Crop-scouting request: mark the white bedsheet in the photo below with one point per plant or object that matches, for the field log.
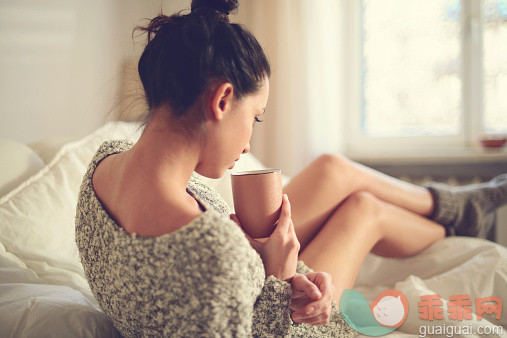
(43, 291)
(451, 266)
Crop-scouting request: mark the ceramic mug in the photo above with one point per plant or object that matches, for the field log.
(257, 196)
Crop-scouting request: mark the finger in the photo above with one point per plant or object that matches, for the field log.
(303, 307)
(292, 233)
(291, 228)
(312, 320)
(320, 323)
(323, 281)
(318, 314)
(298, 294)
(324, 301)
(286, 203)
(304, 284)
(299, 304)
(319, 307)
(285, 217)
(324, 322)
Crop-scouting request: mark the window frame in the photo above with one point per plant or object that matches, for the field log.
(359, 145)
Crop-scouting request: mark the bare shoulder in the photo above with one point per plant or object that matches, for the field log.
(135, 207)
(171, 219)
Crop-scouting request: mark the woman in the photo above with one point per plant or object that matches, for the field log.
(161, 253)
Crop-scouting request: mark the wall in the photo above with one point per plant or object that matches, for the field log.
(61, 63)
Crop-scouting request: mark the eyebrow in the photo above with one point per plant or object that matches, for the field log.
(263, 111)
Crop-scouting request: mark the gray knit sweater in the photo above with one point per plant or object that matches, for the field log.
(203, 280)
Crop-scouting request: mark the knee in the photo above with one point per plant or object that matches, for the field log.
(332, 161)
(332, 165)
(365, 204)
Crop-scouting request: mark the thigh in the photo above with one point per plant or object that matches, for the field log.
(316, 192)
(340, 247)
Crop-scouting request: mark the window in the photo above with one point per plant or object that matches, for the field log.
(495, 65)
(427, 73)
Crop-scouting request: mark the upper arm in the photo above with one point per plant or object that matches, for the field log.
(210, 293)
(220, 288)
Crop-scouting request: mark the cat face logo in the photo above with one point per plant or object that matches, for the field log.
(390, 308)
(384, 315)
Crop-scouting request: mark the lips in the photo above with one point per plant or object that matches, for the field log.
(236, 160)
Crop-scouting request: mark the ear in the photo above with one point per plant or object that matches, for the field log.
(222, 99)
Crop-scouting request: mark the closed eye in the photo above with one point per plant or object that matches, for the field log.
(257, 119)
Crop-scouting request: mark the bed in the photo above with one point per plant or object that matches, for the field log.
(43, 292)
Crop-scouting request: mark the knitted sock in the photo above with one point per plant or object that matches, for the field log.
(468, 210)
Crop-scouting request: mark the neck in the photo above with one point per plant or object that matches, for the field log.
(165, 157)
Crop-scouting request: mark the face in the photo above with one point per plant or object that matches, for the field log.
(230, 130)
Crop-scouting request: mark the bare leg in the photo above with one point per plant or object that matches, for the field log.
(403, 194)
(320, 188)
(363, 223)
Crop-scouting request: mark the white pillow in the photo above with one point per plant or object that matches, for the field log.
(48, 148)
(17, 163)
(37, 248)
(37, 310)
(37, 219)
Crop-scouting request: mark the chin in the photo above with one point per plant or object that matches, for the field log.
(213, 174)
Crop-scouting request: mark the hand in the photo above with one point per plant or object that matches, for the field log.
(312, 290)
(279, 252)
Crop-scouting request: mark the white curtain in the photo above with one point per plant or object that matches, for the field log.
(304, 40)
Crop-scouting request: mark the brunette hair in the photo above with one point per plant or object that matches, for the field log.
(186, 53)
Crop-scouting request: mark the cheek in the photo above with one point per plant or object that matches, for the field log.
(250, 131)
(246, 132)
(243, 129)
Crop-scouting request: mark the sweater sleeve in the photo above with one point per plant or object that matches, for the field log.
(220, 290)
(271, 312)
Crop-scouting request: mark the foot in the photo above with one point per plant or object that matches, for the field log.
(468, 210)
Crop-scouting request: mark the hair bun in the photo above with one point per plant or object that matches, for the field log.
(222, 6)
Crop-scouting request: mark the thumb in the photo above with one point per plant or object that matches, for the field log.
(309, 288)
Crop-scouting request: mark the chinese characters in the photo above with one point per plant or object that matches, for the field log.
(459, 307)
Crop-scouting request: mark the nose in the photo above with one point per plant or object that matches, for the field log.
(247, 148)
